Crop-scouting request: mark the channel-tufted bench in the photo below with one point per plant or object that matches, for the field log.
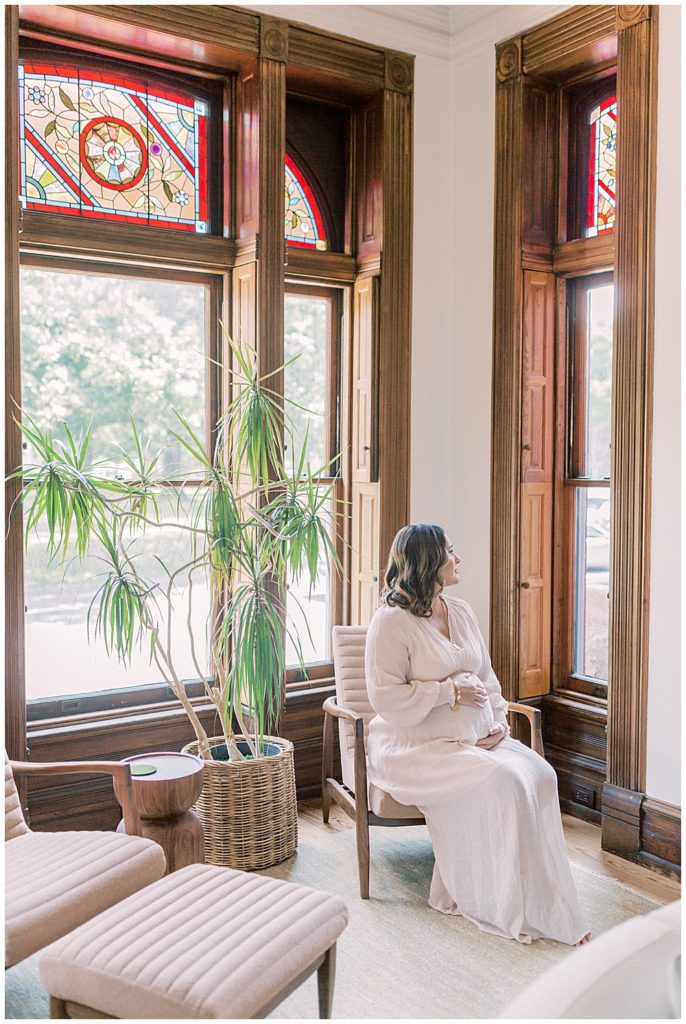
(204, 942)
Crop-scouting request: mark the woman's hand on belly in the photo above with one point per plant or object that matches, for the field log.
(495, 735)
(472, 691)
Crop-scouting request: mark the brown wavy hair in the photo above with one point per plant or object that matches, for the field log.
(417, 554)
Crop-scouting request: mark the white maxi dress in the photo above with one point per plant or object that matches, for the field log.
(493, 815)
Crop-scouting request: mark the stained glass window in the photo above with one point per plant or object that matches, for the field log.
(602, 167)
(98, 144)
(304, 225)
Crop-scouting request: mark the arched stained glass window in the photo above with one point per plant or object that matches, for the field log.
(602, 167)
(304, 225)
(98, 144)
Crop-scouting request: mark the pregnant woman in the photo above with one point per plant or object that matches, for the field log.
(440, 741)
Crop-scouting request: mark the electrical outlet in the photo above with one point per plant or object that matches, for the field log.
(584, 795)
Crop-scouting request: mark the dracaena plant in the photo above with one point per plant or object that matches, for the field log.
(252, 523)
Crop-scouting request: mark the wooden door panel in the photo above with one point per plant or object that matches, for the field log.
(363, 396)
(536, 470)
(535, 590)
(364, 576)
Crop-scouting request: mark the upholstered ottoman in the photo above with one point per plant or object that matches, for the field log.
(202, 942)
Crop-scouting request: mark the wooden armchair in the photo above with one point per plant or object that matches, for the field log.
(366, 804)
(55, 881)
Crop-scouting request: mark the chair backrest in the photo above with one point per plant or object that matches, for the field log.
(351, 690)
(14, 817)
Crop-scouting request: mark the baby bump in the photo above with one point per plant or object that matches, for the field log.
(467, 724)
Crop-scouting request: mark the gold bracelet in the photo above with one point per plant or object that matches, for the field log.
(456, 690)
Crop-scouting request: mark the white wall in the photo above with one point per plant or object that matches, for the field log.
(452, 309)
(664, 693)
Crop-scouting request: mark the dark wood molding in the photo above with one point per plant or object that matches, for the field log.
(580, 37)
(199, 35)
(398, 72)
(632, 389)
(661, 837)
(272, 247)
(621, 821)
(395, 321)
(48, 232)
(330, 267)
(507, 375)
(336, 55)
(15, 696)
(631, 14)
(273, 38)
(585, 254)
(508, 59)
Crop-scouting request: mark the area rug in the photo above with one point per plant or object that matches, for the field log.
(398, 959)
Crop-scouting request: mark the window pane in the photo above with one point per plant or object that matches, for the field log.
(96, 144)
(602, 170)
(304, 225)
(599, 381)
(105, 348)
(59, 658)
(592, 581)
(111, 348)
(307, 331)
(313, 609)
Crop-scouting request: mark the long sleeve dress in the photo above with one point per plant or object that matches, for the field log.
(493, 815)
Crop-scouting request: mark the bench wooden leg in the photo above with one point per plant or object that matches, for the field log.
(326, 976)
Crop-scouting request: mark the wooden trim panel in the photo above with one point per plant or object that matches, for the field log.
(15, 695)
(507, 376)
(661, 836)
(395, 320)
(584, 35)
(632, 389)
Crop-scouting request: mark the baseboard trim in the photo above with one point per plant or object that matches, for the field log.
(621, 821)
(661, 837)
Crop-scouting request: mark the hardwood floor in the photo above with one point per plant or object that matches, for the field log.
(583, 844)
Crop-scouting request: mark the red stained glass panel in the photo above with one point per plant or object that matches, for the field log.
(96, 144)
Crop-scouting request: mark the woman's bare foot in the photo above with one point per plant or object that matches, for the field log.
(587, 938)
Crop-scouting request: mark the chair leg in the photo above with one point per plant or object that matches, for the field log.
(326, 803)
(326, 976)
(58, 1009)
(362, 836)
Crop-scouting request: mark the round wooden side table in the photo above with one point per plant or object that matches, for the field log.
(164, 798)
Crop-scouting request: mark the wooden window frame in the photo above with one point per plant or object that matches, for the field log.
(571, 351)
(318, 671)
(583, 38)
(74, 703)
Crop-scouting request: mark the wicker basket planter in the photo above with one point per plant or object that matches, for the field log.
(248, 809)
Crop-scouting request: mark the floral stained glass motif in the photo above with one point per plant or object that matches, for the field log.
(96, 144)
(304, 225)
(602, 167)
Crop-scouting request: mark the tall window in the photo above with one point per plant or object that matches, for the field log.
(585, 384)
(311, 350)
(104, 340)
(100, 349)
(587, 477)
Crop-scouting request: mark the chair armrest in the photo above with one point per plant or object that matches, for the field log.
(534, 716)
(353, 718)
(331, 708)
(120, 772)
